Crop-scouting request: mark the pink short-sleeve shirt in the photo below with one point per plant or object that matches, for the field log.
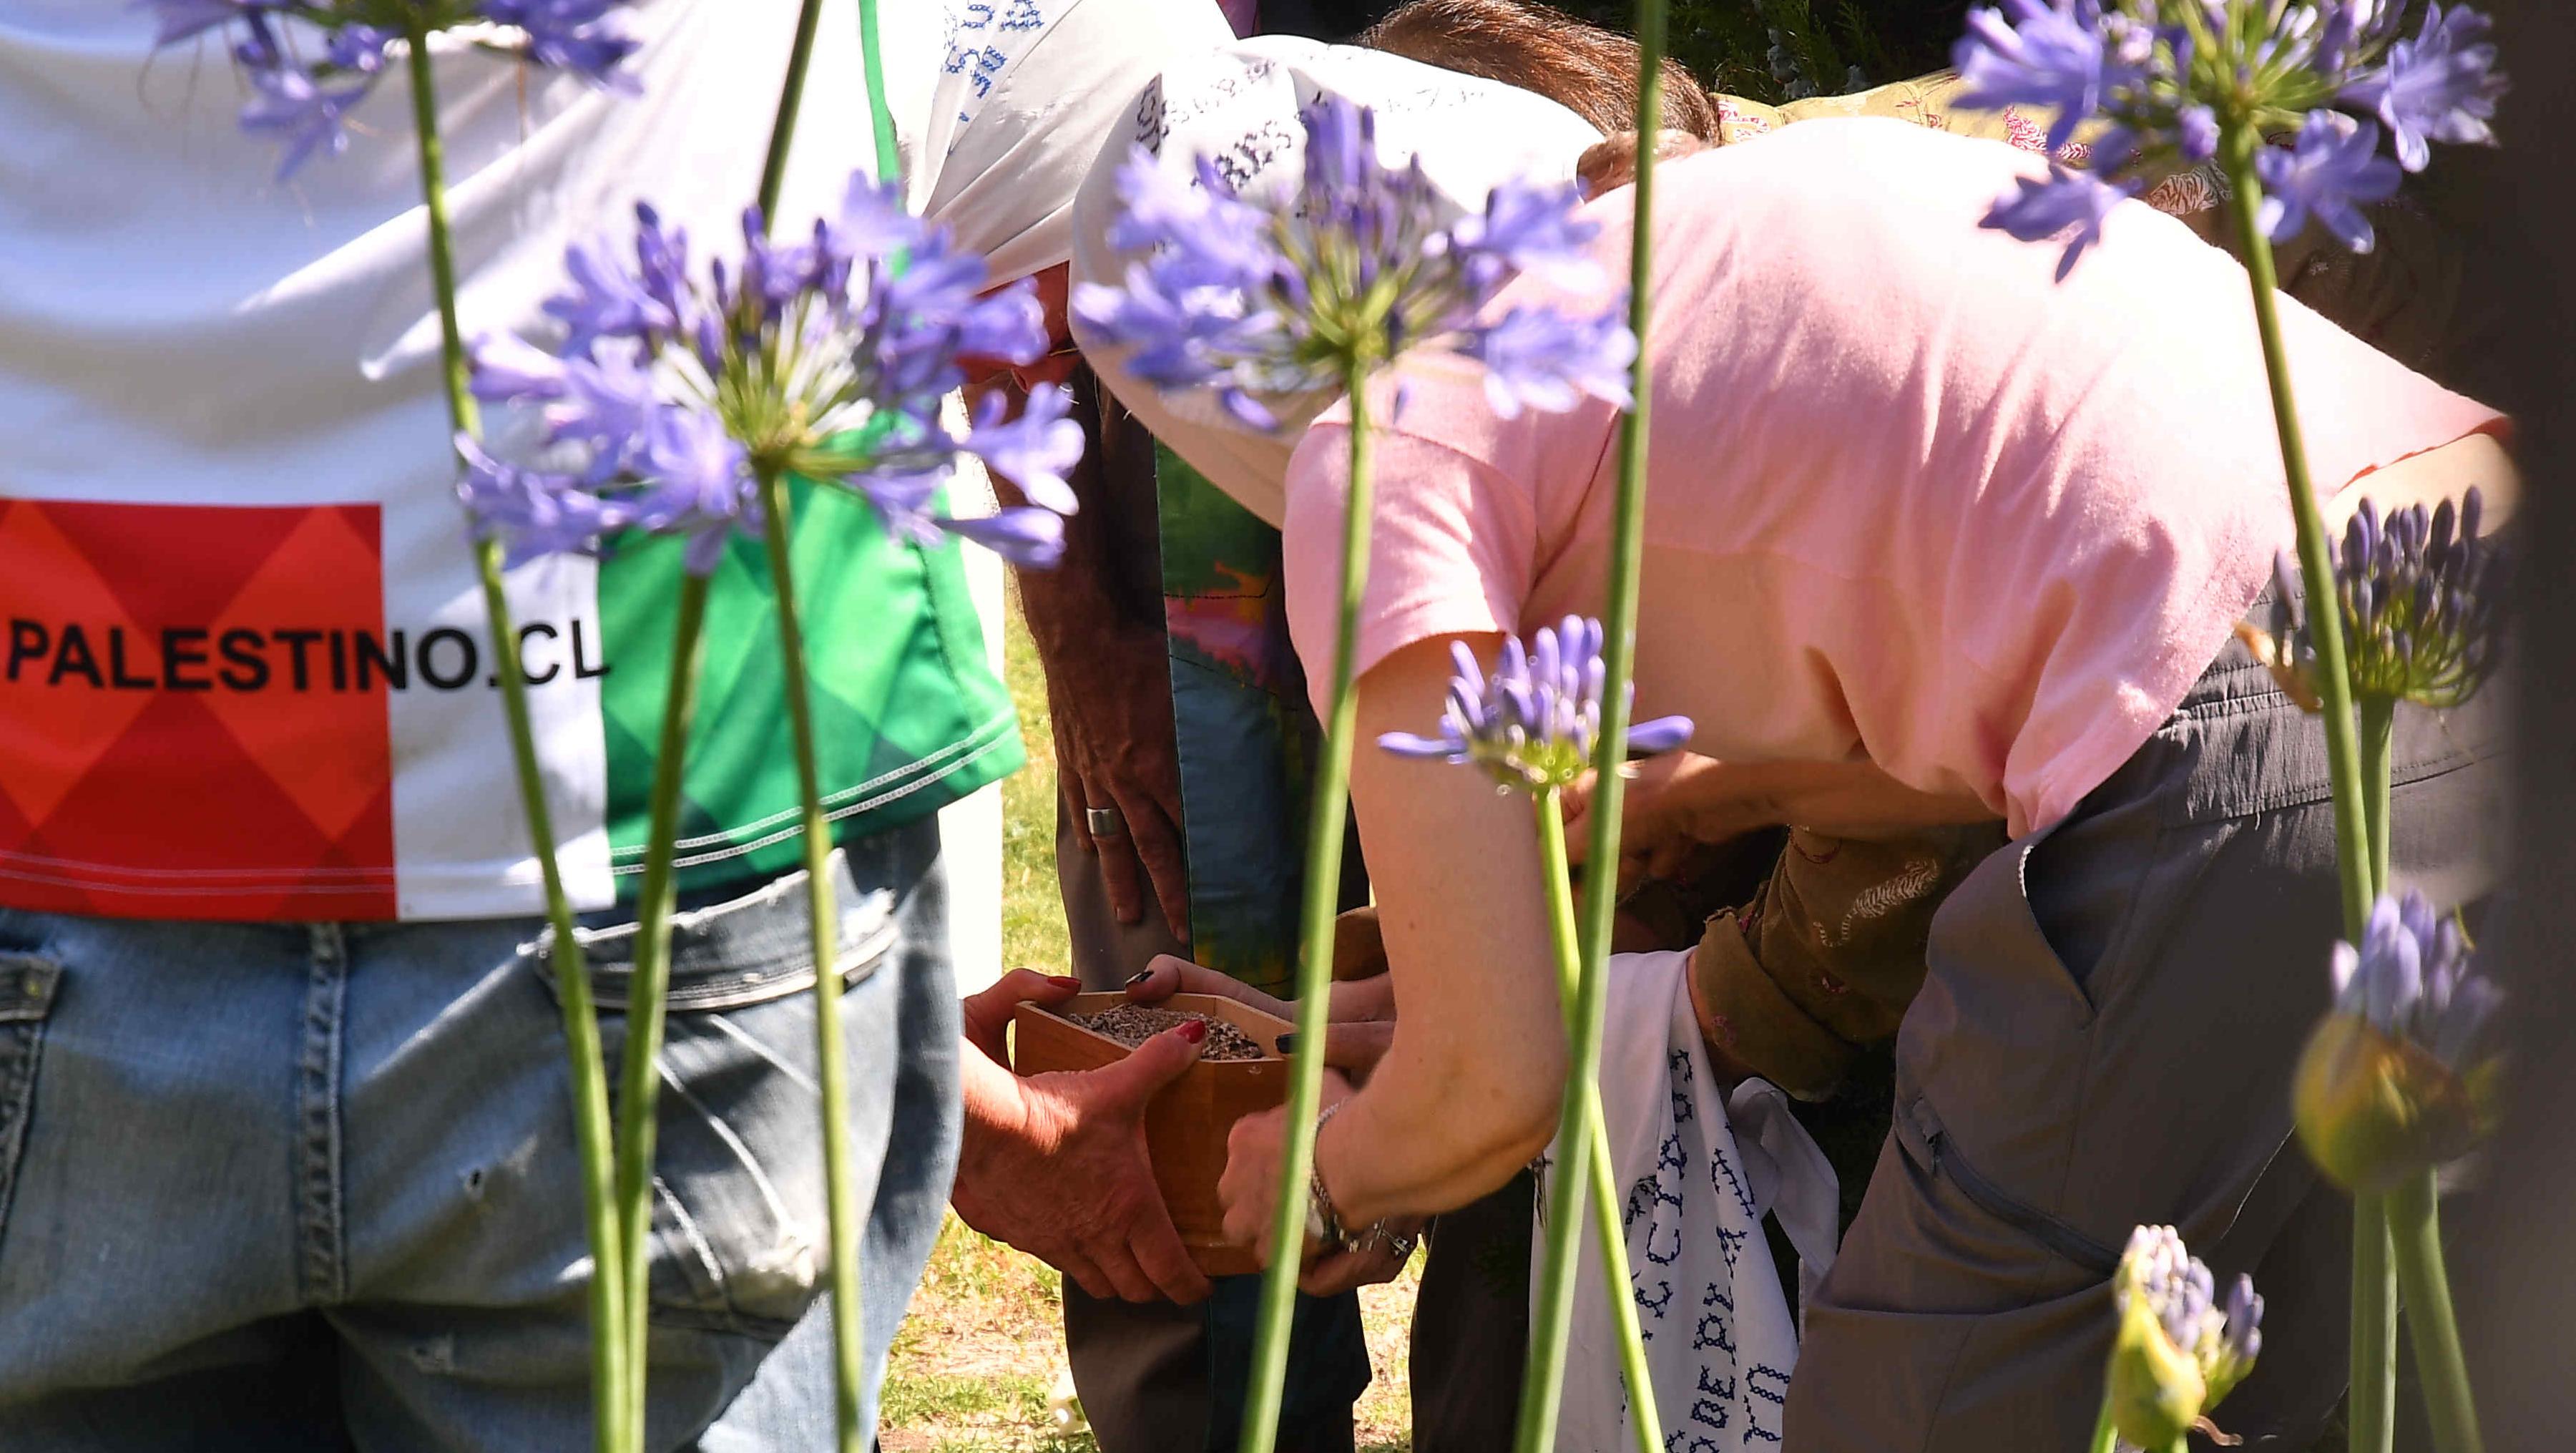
(1909, 500)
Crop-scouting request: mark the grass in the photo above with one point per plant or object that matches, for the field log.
(980, 1356)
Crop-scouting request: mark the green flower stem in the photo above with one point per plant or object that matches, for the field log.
(2378, 725)
(849, 1356)
(2374, 1345)
(588, 1063)
(2105, 1439)
(648, 988)
(1542, 1384)
(2373, 1419)
(2238, 148)
(840, 1185)
(1327, 812)
(2371, 1423)
(791, 95)
(2414, 1218)
(1643, 1418)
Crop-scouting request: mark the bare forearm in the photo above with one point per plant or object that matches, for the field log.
(1423, 1138)
(1468, 1092)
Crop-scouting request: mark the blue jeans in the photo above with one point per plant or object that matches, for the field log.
(312, 1186)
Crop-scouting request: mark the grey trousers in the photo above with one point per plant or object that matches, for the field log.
(2106, 1039)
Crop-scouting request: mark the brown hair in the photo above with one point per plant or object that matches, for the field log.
(1588, 70)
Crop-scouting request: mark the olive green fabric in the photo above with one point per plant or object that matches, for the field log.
(1824, 959)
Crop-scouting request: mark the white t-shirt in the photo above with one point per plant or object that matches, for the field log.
(244, 668)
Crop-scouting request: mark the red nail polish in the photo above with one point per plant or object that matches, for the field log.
(1067, 980)
(1193, 1030)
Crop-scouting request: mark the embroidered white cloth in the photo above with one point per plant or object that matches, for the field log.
(1023, 95)
(1700, 1169)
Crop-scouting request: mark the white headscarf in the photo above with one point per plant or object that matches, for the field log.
(1000, 106)
(1469, 134)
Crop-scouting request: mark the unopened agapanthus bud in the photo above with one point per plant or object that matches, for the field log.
(2178, 1351)
(2421, 598)
(2395, 1079)
(1533, 723)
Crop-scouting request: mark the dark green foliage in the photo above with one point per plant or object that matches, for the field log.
(1782, 50)
(1764, 50)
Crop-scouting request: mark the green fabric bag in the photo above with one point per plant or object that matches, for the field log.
(908, 716)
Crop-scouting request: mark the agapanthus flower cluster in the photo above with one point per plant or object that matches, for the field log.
(2422, 600)
(1532, 724)
(1358, 267)
(2172, 77)
(2178, 1350)
(311, 62)
(677, 390)
(2397, 1076)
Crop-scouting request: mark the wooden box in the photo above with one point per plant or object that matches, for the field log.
(1187, 1123)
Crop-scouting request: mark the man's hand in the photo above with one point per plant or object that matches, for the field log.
(1096, 619)
(1109, 689)
(1056, 1164)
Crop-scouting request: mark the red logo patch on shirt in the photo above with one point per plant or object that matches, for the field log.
(193, 710)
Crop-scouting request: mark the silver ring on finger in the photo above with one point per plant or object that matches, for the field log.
(1105, 823)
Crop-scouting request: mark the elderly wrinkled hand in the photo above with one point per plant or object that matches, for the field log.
(1056, 1164)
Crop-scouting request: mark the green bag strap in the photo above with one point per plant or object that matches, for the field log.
(872, 59)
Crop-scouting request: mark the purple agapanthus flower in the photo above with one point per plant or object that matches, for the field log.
(2415, 979)
(178, 20)
(1542, 359)
(1532, 724)
(534, 512)
(2421, 598)
(2033, 53)
(2069, 204)
(2440, 86)
(305, 116)
(695, 475)
(581, 36)
(306, 103)
(1261, 302)
(2173, 79)
(826, 357)
(2333, 172)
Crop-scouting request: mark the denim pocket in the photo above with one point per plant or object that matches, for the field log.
(738, 1221)
(27, 985)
